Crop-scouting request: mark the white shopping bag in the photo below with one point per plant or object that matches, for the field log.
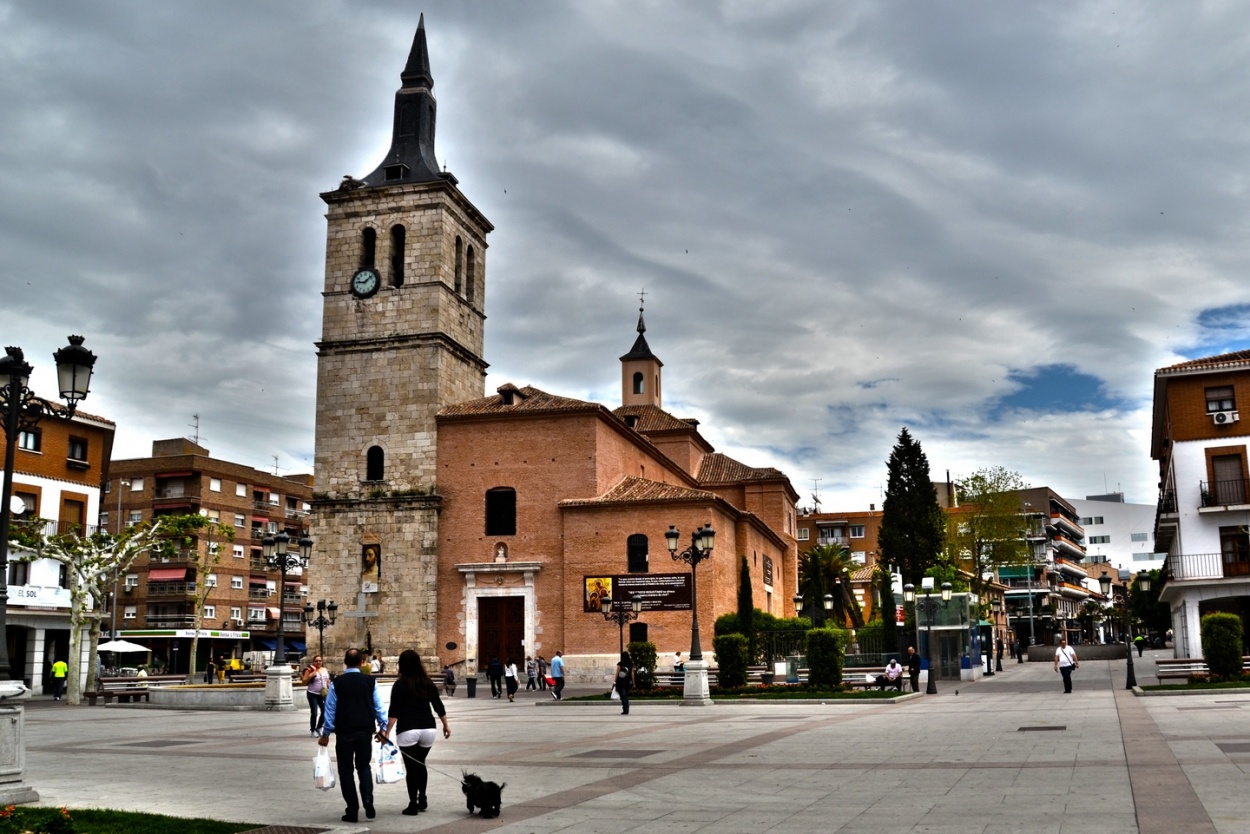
(390, 764)
(323, 770)
(616, 696)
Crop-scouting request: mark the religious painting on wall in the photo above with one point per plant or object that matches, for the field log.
(597, 588)
(370, 567)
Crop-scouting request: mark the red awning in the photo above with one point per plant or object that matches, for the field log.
(167, 574)
(187, 474)
(259, 580)
(274, 613)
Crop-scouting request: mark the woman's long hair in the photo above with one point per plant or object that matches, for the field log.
(412, 672)
(627, 662)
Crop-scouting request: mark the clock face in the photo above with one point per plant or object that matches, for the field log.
(365, 282)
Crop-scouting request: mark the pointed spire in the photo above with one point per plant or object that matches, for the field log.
(417, 71)
(640, 350)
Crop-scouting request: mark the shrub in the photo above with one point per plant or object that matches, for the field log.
(1222, 644)
(726, 624)
(645, 661)
(732, 659)
(825, 652)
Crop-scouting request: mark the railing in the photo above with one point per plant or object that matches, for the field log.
(1167, 501)
(259, 593)
(1195, 566)
(171, 589)
(169, 620)
(1223, 493)
(771, 646)
(258, 563)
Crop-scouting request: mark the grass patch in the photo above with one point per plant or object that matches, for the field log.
(94, 821)
(774, 692)
(1198, 684)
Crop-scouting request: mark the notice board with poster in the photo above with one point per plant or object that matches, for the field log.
(657, 591)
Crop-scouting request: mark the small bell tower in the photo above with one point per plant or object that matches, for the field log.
(640, 371)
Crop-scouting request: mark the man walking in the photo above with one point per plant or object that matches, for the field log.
(59, 670)
(557, 674)
(913, 668)
(354, 711)
(1065, 662)
(542, 673)
(494, 672)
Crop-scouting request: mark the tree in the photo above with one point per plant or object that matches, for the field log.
(988, 530)
(91, 561)
(913, 527)
(887, 609)
(1145, 607)
(198, 540)
(826, 570)
(746, 605)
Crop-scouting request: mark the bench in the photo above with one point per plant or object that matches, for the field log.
(127, 689)
(1182, 668)
(865, 677)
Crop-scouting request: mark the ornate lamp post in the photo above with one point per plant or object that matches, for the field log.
(820, 616)
(702, 541)
(930, 606)
(1143, 582)
(279, 557)
(995, 606)
(320, 622)
(620, 614)
(22, 413)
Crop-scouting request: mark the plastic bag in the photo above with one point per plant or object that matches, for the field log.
(616, 696)
(323, 770)
(390, 764)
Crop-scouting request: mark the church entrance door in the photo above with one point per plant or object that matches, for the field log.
(501, 630)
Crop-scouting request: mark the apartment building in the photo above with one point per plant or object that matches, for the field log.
(856, 530)
(156, 605)
(1204, 504)
(58, 467)
(1119, 533)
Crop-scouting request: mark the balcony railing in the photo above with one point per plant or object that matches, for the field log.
(1224, 493)
(258, 563)
(259, 593)
(170, 620)
(1167, 502)
(1181, 566)
(171, 589)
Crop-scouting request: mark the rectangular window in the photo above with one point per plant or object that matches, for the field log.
(857, 531)
(77, 450)
(1229, 486)
(213, 515)
(1220, 399)
(214, 484)
(29, 440)
(19, 573)
(211, 581)
(238, 551)
(131, 612)
(803, 534)
(636, 553)
(275, 499)
(210, 612)
(256, 615)
(240, 490)
(859, 557)
(1147, 557)
(240, 520)
(1139, 537)
(1099, 539)
(104, 520)
(501, 512)
(236, 613)
(1235, 550)
(136, 485)
(236, 583)
(136, 517)
(132, 580)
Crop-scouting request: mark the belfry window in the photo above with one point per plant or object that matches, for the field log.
(636, 552)
(375, 464)
(397, 256)
(638, 382)
(368, 247)
(501, 511)
(469, 277)
(459, 276)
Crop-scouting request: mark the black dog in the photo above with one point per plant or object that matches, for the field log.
(485, 795)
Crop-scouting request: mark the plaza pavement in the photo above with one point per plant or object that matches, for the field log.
(1010, 753)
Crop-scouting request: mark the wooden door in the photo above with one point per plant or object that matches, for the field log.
(500, 630)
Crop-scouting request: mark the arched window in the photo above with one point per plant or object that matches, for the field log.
(638, 382)
(469, 277)
(501, 511)
(397, 256)
(459, 266)
(375, 464)
(636, 552)
(368, 247)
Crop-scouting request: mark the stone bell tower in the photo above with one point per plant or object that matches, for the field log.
(402, 326)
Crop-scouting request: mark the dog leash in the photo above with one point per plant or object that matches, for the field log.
(426, 766)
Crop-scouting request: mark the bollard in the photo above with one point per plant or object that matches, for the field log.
(471, 684)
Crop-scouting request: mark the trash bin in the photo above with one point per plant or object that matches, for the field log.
(471, 684)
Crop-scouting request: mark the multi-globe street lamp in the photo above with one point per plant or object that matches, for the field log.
(1143, 583)
(320, 622)
(22, 413)
(279, 557)
(701, 543)
(930, 606)
(818, 616)
(620, 614)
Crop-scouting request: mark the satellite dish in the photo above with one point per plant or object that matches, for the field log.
(451, 647)
(16, 505)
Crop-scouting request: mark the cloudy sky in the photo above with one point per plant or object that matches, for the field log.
(987, 222)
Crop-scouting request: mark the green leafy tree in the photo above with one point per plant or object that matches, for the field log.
(201, 541)
(1145, 607)
(90, 561)
(913, 526)
(826, 569)
(645, 660)
(746, 605)
(989, 529)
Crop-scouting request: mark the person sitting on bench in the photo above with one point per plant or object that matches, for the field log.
(893, 676)
(449, 681)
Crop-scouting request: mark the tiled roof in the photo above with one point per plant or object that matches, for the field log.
(654, 419)
(527, 400)
(722, 469)
(632, 488)
(1224, 360)
(864, 574)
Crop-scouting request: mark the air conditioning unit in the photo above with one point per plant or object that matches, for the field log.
(1223, 418)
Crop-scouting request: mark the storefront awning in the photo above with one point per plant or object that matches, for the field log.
(167, 574)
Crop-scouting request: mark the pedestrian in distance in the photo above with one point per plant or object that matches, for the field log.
(1019, 651)
(1065, 663)
(542, 672)
(679, 665)
(316, 679)
(1140, 642)
(913, 668)
(494, 672)
(531, 674)
(557, 674)
(510, 679)
(414, 703)
(355, 716)
(59, 670)
(624, 680)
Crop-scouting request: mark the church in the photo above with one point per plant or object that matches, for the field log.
(468, 526)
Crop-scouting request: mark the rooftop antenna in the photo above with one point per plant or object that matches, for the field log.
(816, 492)
(275, 464)
(195, 438)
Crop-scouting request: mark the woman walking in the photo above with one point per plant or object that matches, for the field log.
(624, 680)
(414, 703)
(510, 679)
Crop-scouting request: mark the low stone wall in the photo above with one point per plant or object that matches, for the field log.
(1046, 654)
(226, 697)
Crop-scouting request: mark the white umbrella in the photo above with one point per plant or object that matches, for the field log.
(121, 646)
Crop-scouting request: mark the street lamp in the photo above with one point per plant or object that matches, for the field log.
(320, 622)
(1143, 582)
(701, 543)
(621, 615)
(277, 556)
(996, 605)
(22, 413)
(930, 606)
(817, 621)
(122, 483)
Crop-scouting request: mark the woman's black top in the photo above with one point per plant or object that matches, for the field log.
(412, 711)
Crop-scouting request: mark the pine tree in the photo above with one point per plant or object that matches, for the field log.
(913, 527)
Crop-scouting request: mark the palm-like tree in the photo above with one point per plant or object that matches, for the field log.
(826, 569)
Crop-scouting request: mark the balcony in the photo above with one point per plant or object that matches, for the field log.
(258, 563)
(170, 620)
(171, 589)
(1167, 502)
(1068, 547)
(1224, 494)
(259, 593)
(1072, 591)
(1191, 566)
(1062, 522)
(182, 556)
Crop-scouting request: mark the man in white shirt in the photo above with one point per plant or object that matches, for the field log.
(893, 676)
(1065, 662)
